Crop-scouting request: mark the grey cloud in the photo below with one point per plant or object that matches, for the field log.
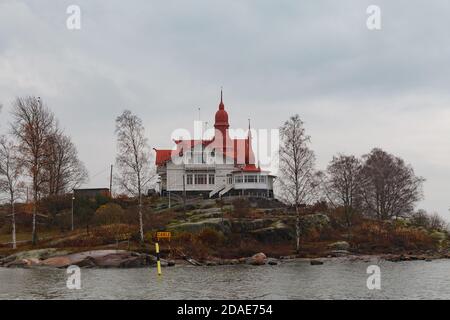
(355, 89)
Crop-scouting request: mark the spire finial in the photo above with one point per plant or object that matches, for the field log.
(221, 94)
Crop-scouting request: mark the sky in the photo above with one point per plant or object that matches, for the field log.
(354, 88)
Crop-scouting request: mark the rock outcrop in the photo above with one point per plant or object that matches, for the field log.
(257, 259)
(87, 259)
(339, 245)
(218, 224)
(277, 232)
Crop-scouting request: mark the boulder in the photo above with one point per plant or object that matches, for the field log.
(257, 259)
(170, 263)
(234, 261)
(57, 262)
(316, 262)
(340, 245)
(290, 257)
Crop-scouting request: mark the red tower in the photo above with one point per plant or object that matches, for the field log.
(221, 125)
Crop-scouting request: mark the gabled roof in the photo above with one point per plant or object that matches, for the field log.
(162, 156)
(239, 150)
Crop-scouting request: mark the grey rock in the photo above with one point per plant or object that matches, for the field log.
(339, 245)
(217, 224)
(257, 259)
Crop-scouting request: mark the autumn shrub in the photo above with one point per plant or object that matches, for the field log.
(109, 213)
(241, 208)
(211, 237)
(115, 232)
(340, 219)
(390, 236)
(412, 239)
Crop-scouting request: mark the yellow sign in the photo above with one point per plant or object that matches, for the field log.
(163, 235)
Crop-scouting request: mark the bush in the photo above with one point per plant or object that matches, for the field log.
(386, 237)
(210, 237)
(115, 232)
(241, 208)
(109, 213)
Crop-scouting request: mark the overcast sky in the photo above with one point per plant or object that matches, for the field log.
(355, 89)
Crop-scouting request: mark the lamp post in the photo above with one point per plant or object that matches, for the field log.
(73, 198)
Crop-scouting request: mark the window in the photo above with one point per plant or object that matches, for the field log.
(189, 179)
(211, 178)
(238, 179)
(263, 179)
(251, 178)
(200, 178)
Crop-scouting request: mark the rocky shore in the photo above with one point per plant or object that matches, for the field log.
(56, 258)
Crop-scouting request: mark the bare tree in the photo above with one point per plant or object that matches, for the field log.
(32, 125)
(63, 170)
(10, 178)
(133, 159)
(342, 184)
(297, 179)
(389, 186)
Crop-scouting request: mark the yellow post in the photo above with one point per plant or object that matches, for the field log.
(158, 263)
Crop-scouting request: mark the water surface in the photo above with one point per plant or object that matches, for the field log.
(337, 279)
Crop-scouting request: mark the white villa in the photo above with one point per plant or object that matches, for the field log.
(217, 167)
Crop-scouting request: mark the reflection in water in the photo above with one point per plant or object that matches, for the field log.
(290, 280)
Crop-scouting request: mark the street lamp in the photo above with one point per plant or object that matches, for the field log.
(73, 198)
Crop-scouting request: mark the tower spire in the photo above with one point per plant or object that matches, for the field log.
(221, 105)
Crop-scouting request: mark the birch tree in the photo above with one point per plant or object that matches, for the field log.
(10, 178)
(297, 179)
(32, 125)
(133, 159)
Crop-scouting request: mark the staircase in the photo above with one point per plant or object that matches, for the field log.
(216, 189)
(224, 191)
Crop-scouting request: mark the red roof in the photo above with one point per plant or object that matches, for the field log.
(251, 168)
(162, 156)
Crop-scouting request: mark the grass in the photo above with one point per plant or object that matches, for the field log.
(26, 236)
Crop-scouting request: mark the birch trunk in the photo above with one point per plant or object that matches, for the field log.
(13, 222)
